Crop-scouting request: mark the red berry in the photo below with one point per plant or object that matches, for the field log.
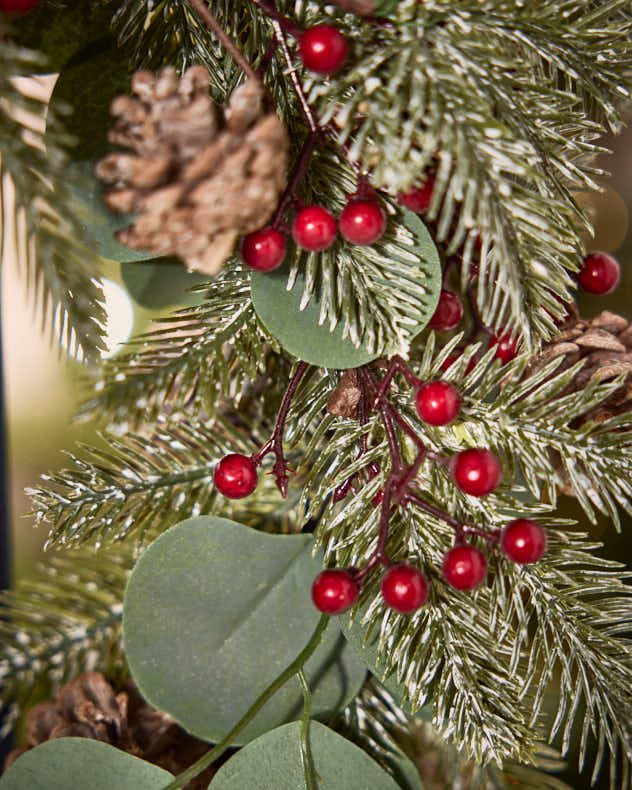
(523, 541)
(362, 222)
(464, 567)
(17, 6)
(314, 229)
(453, 358)
(235, 476)
(505, 348)
(448, 313)
(264, 249)
(334, 591)
(438, 402)
(476, 471)
(418, 198)
(323, 49)
(404, 588)
(600, 273)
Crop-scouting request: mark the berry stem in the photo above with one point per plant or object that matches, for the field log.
(289, 672)
(266, 60)
(275, 442)
(205, 14)
(290, 196)
(461, 529)
(396, 365)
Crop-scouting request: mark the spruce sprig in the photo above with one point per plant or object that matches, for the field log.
(51, 248)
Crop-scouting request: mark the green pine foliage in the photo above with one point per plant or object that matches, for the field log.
(505, 103)
(64, 620)
(52, 249)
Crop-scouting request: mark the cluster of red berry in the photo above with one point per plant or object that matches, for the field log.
(314, 229)
(405, 588)
(476, 471)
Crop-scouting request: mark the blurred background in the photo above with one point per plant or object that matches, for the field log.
(43, 386)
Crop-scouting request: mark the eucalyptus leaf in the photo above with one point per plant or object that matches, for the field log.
(88, 84)
(273, 762)
(386, 293)
(161, 282)
(214, 611)
(81, 764)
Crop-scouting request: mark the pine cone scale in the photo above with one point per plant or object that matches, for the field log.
(197, 178)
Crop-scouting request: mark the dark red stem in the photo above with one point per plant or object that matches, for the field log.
(275, 443)
(290, 196)
(461, 529)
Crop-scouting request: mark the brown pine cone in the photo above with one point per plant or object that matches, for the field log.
(88, 707)
(196, 178)
(605, 345)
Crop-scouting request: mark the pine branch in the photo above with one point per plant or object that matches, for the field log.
(379, 294)
(459, 85)
(459, 651)
(580, 610)
(63, 621)
(51, 249)
(135, 487)
(194, 356)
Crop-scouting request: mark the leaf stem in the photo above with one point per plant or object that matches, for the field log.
(306, 756)
(289, 672)
(205, 14)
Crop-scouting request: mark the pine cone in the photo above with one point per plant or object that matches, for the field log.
(344, 400)
(88, 707)
(605, 345)
(197, 179)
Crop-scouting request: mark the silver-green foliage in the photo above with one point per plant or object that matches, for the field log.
(51, 248)
(192, 357)
(63, 620)
(506, 103)
(483, 661)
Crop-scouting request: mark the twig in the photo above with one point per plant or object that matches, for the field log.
(290, 196)
(275, 442)
(461, 529)
(311, 119)
(204, 13)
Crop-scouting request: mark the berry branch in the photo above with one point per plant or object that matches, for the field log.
(476, 471)
(236, 474)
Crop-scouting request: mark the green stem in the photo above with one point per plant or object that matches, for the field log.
(289, 672)
(306, 757)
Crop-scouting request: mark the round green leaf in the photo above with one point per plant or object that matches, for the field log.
(273, 762)
(81, 764)
(214, 611)
(161, 282)
(88, 84)
(406, 250)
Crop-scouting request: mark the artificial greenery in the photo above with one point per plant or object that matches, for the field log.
(204, 600)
